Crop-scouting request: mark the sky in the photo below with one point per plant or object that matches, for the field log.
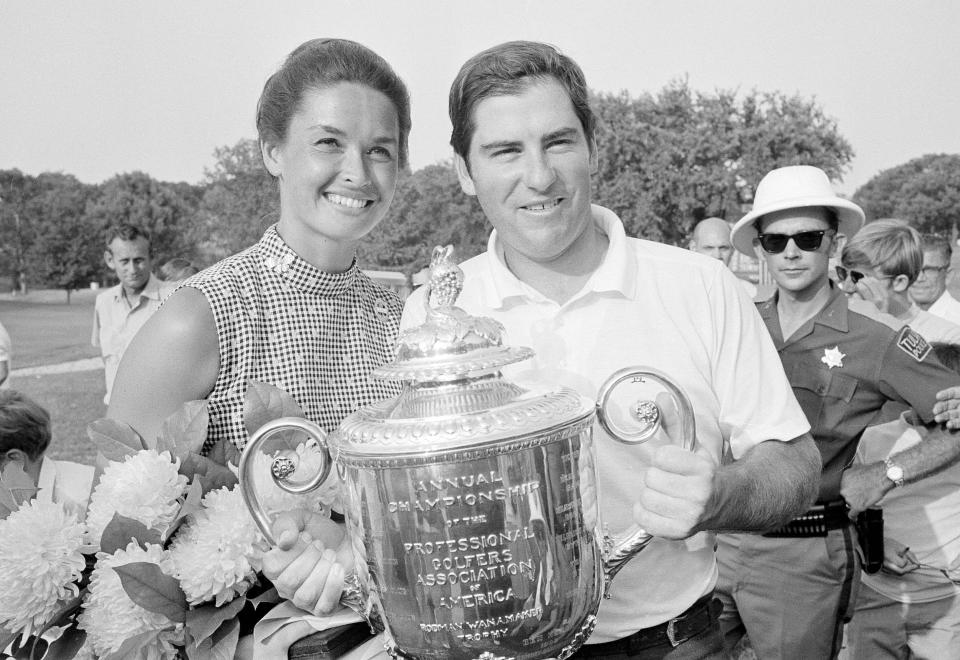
(97, 88)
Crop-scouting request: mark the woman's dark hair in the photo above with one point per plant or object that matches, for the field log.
(320, 63)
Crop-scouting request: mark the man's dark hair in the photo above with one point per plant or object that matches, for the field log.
(126, 232)
(24, 425)
(508, 70)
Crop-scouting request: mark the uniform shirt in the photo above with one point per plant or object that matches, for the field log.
(847, 362)
(5, 354)
(116, 319)
(663, 307)
(946, 307)
(313, 334)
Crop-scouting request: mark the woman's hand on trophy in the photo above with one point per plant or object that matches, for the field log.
(312, 556)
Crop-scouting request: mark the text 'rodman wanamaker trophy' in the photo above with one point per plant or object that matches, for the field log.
(471, 501)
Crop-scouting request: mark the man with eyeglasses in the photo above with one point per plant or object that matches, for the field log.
(929, 291)
(792, 588)
(880, 265)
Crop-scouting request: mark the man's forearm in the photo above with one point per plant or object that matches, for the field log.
(939, 450)
(773, 483)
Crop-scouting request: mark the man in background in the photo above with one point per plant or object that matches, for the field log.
(929, 291)
(122, 310)
(792, 588)
(711, 238)
(879, 265)
(910, 608)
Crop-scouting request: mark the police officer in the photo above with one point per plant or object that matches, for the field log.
(792, 588)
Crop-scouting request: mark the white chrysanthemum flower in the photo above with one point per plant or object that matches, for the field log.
(109, 616)
(145, 487)
(273, 498)
(40, 562)
(217, 555)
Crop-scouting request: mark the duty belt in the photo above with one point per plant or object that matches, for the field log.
(820, 519)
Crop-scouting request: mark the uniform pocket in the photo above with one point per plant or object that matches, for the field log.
(823, 393)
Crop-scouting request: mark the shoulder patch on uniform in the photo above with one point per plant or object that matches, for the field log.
(913, 344)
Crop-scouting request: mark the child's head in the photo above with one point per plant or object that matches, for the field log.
(24, 431)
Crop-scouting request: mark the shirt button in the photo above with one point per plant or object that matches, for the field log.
(821, 389)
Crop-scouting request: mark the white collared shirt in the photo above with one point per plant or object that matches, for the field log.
(116, 320)
(67, 483)
(947, 307)
(663, 307)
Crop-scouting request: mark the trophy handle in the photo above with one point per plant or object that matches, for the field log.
(618, 551)
(280, 471)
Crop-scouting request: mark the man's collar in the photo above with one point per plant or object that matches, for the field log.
(151, 290)
(613, 273)
(833, 314)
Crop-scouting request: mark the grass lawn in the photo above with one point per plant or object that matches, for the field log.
(74, 400)
(44, 329)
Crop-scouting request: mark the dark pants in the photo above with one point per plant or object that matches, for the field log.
(694, 635)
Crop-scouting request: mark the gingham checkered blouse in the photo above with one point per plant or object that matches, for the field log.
(313, 334)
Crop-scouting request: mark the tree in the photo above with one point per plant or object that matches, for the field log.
(670, 160)
(166, 210)
(924, 191)
(240, 201)
(428, 209)
(68, 249)
(16, 224)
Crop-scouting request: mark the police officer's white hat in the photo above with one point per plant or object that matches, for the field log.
(796, 186)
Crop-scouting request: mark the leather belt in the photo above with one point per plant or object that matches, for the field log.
(674, 632)
(816, 522)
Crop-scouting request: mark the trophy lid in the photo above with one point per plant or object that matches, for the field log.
(453, 393)
(450, 344)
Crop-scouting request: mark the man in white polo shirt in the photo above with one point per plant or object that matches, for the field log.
(563, 278)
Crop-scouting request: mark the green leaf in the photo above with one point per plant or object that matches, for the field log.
(132, 646)
(114, 440)
(67, 644)
(153, 590)
(17, 483)
(8, 503)
(121, 530)
(211, 475)
(185, 431)
(264, 403)
(191, 504)
(203, 621)
(269, 596)
(222, 645)
(224, 452)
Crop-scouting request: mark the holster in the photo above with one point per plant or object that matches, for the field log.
(870, 536)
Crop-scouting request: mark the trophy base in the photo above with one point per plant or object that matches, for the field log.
(330, 644)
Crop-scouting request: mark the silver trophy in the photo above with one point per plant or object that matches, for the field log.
(471, 501)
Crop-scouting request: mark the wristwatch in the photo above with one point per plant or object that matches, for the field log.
(894, 472)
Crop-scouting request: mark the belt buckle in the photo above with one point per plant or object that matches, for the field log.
(672, 634)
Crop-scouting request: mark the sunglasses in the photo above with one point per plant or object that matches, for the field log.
(855, 275)
(808, 241)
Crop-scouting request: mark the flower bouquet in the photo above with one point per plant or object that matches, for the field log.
(166, 563)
